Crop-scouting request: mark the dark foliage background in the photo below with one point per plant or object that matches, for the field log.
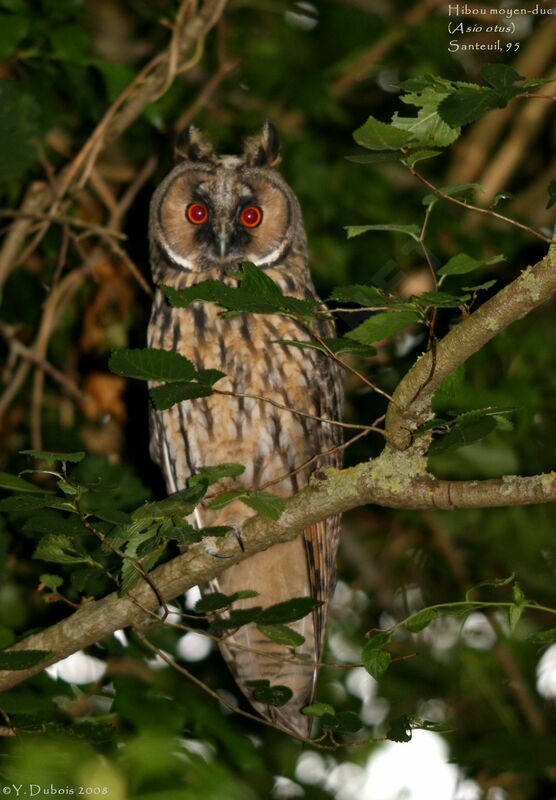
(317, 71)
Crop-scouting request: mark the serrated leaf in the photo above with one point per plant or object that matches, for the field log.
(179, 504)
(399, 729)
(243, 594)
(383, 326)
(61, 549)
(440, 300)
(282, 634)
(376, 135)
(179, 531)
(469, 104)
(151, 364)
(451, 190)
(16, 484)
(273, 695)
(288, 610)
(238, 617)
(215, 601)
(375, 660)
(502, 77)
(408, 230)
(257, 293)
(52, 582)
(225, 498)
(421, 155)
(169, 394)
(212, 475)
(368, 296)
(462, 434)
(338, 346)
(421, 620)
(22, 659)
(348, 722)
(25, 503)
(45, 455)
(378, 641)
(494, 583)
(514, 615)
(462, 264)
(543, 637)
(318, 710)
(265, 503)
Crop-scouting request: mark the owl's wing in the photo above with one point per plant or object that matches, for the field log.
(321, 545)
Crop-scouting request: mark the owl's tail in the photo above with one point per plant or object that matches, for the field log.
(277, 574)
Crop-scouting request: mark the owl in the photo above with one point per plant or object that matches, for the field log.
(211, 213)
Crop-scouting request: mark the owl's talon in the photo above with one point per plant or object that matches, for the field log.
(237, 534)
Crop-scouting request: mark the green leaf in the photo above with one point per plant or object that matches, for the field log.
(243, 594)
(338, 346)
(451, 190)
(469, 104)
(408, 230)
(439, 300)
(265, 503)
(61, 549)
(288, 610)
(375, 135)
(463, 433)
(169, 394)
(28, 502)
(420, 155)
(383, 326)
(13, 28)
(379, 640)
(348, 722)
(399, 729)
(52, 458)
(375, 660)
(462, 264)
(180, 531)
(52, 582)
(257, 293)
(514, 615)
(212, 475)
(282, 634)
(7, 637)
(368, 296)
(421, 620)
(318, 710)
(272, 695)
(180, 504)
(152, 365)
(428, 128)
(16, 484)
(215, 601)
(70, 42)
(237, 618)
(225, 498)
(543, 637)
(22, 659)
(551, 194)
(502, 77)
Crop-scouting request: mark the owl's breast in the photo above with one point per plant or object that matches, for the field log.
(263, 414)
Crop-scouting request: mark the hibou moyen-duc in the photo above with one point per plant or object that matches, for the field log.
(210, 214)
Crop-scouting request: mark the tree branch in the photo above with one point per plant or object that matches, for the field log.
(415, 391)
(395, 479)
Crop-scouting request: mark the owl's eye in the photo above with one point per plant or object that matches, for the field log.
(197, 213)
(251, 216)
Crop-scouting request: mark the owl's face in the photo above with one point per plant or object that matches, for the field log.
(213, 211)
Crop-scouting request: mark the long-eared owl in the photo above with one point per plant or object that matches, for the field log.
(210, 214)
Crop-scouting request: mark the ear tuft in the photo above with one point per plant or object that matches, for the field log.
(192, 145)
(263, 149)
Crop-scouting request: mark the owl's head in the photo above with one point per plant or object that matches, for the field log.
(219, 210)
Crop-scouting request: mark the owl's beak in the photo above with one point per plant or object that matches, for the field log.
(223, 242)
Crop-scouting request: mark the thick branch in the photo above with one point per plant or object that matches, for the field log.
(395, 480)
(414, 393)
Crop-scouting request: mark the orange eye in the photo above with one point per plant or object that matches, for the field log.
(251, 216)
(197, 213)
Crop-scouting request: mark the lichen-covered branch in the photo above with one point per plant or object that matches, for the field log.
(395, 479)
(414, 394)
